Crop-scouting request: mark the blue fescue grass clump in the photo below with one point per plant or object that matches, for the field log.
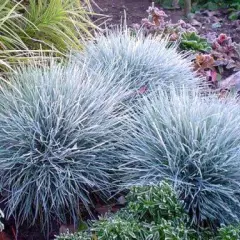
(144, 60)
(57, 139)
(192, 141)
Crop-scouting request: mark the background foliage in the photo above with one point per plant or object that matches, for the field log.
(201, 4)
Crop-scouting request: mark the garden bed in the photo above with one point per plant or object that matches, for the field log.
(208, 24)
(136, 11)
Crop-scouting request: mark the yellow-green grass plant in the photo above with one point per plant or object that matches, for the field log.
(61, 24)
(10, 37)
(29, 29)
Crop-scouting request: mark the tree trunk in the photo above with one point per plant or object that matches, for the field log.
(175, 3)
(187, 7)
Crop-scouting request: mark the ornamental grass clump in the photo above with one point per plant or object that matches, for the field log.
(193, 142)
(58, 135)
(145, 60)
(58, 24)
(53, 27)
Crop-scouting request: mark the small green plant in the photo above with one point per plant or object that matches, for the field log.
(153, 212)
(213, 4)
(116, 227)
(192, 41)
(76, 236)
(154, 203)
(234, 11)
(229, 233)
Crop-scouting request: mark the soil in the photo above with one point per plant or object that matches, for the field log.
(212, 23)
(135, 12)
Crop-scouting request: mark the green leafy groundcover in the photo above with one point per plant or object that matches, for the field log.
(202, 4)
(153, 212)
